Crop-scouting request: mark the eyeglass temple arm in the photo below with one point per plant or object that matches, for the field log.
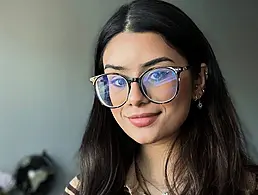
(181, 69)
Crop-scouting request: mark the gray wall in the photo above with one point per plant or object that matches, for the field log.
(46, 57)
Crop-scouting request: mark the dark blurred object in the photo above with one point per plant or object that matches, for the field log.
(35, 174)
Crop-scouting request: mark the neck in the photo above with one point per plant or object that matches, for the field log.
(152, 160)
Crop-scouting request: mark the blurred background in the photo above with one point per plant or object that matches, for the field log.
(46, 59)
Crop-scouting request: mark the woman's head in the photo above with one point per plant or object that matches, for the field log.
(132, 43)
(148, 34)
(154, 109)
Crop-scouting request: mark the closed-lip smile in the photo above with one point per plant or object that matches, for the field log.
(143, 119)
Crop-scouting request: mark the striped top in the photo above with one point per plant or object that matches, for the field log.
(73, 187)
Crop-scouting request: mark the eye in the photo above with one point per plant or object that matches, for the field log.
(159, 75)
(118, 81)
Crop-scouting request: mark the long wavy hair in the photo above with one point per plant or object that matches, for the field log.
(212, 155)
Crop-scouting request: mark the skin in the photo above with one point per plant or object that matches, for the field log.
(130, 51)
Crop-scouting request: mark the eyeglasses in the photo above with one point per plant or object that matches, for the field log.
(159, 85)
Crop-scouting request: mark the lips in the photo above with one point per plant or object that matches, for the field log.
(143, 120)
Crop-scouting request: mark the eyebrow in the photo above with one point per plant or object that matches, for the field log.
(145, 65)
(156, 60)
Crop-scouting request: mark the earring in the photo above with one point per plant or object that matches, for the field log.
(199, 105)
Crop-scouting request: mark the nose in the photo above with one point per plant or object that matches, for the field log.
(136, 98)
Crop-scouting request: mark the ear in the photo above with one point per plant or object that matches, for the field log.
(199, 82)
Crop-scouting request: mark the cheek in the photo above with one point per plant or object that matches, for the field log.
(177, 110)
(117, 115)
(184, 96)
(185, 92)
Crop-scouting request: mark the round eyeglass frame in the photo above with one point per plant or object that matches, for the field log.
(130, 80)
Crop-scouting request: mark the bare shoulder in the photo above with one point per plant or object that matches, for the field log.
(73, 187)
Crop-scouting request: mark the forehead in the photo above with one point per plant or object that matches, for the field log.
(130, 50)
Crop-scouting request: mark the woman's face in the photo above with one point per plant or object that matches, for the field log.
(144, 121)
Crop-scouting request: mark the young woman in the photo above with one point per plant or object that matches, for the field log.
(162, 120)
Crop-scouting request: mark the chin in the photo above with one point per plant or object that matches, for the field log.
(145, 141)
(150, 136)
(145, 138)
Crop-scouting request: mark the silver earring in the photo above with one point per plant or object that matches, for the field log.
(199, 105)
